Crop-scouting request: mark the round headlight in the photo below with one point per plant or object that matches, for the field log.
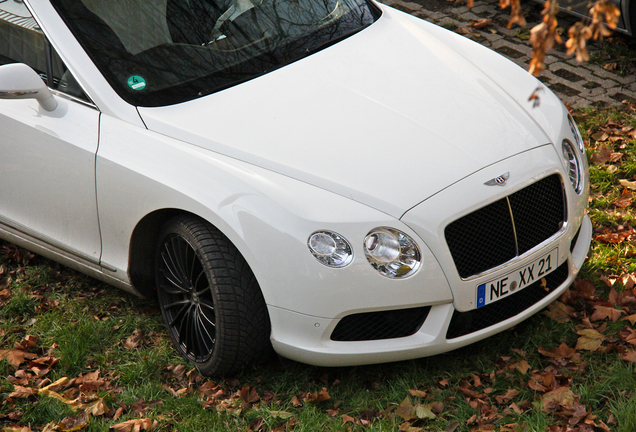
(573, 165)
(577, 135)
(391, 252)
(330, 248)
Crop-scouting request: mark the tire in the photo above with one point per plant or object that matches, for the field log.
(209, 298)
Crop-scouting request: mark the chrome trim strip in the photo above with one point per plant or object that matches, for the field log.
(74, 99)
(17, 93)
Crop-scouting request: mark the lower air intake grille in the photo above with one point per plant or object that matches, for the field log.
(507, 228)
(464, 323)
(380, 325)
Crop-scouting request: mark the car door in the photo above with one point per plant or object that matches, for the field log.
(47, 158)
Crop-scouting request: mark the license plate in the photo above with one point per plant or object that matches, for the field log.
(516, 280)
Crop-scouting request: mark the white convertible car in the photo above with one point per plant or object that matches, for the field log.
(331, 178)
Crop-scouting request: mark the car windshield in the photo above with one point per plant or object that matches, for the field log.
(162, 52)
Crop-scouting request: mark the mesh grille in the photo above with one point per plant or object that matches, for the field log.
(538, 211)
(464, 323)
(487, 237)
(380, 325)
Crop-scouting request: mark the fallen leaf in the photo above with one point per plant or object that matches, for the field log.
(560, 352)
(135, 425)
(407, 427)
(522, 366)
(563, 397)
(630, 318)
(406, 410)
(629, 356)
(317, 397)
(628, 184)
(418, 393)
(603, 312)
(15, 357)
(424, 412)
(23, 392)
(590, 340)
(508, 396)
(559, 312)
(348, 419)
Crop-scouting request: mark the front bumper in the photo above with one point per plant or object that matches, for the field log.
(307, 339)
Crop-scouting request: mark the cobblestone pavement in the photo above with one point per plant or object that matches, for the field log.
(578, 84)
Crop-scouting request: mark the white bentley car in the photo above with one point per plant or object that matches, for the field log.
(333, 179)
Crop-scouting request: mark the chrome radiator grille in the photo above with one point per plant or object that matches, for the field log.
(507, 228)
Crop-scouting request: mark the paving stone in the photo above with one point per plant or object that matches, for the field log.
(483, 9)
(492, 37)
(578, 84)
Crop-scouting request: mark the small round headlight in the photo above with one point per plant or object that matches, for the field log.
(573, 165)
(577, 135)
(391, 252)
(330, 248)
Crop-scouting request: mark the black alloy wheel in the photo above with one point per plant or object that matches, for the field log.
(210, 301)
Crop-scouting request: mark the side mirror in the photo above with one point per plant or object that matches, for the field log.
(19, 81)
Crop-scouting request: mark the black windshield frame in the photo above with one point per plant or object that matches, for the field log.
(154, 71)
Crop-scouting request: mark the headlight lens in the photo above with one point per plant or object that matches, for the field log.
(391, 252)
(573, 165)
(330, 248)
(576, 133)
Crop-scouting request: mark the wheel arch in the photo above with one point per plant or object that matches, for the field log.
(142, 247)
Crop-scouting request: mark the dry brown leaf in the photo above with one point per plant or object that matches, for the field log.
(508, 396)
(563, 397)
(590, 340)
(15, 357)
(23, 392)
(406, 410)
(625, 200)
(559, 311)
(135, 425)
(629, 356)
(630, 318)
(407, 427)
(628, 335)
(628, 184)
(134, 340)
(348, 419)
(316, 397)
(418, 393)
(606, 312)
(522, 366)
(560, 352)
(543, 37)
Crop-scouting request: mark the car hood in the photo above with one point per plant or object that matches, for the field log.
(388, 117)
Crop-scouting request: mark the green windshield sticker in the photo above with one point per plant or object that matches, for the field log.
(136, 82)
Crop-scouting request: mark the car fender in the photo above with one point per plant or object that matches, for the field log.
(266, 215)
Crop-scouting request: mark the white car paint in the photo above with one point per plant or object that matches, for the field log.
(399, 125)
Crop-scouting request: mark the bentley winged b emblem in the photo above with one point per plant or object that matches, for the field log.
(499, 181)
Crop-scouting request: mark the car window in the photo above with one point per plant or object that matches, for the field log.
(161, 52)
(22, 41)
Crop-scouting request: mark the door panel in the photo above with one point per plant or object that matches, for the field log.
(47, 173)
